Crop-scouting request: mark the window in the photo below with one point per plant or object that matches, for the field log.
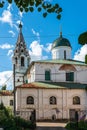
(28, 61)
(22, 61)
(70, 76)
(30, 100)
(16, 61)
(47, 75)
(21, 50)
(53, 100)
(18, 80)
(65, 55)
(76, 100)
(11, 102)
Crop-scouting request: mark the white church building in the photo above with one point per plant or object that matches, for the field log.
(54, 88)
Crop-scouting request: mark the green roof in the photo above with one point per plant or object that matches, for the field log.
(53, 85)
(61, 42)
(74, 62)
(59, 85)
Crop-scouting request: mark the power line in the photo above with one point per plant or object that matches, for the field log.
(44, 36)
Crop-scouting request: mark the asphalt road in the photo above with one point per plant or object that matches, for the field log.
(49, 128)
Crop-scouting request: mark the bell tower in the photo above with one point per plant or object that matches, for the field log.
(21, 58)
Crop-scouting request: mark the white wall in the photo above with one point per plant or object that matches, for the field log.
(37, 73)
(58, 53)
(6, 100)
(41, 97)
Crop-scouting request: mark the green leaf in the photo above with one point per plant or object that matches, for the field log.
(44, 6)
(58, 16)
(39, 9)
(49, 5)
(60, 9)
(21, 9)
(26, 9)
(31, 9)
(10, 1)
(32, 3)
(82, 38)
(44, 14)
(1, 5)
(37, 4)
(56, 6)
(49, 10)
(86, 60)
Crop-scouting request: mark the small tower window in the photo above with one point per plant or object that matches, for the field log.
(21, 50)
(18, 80)
(16, 61)
(22, 61)
(65, 55)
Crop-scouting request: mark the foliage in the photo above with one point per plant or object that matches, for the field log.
(82, 125)
(82, 39)
(86, 88)
(4, 110)
(9, 122)
(30, 5)
(86, 59)
(4, 87)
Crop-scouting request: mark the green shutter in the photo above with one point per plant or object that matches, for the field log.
(47, 75)
(71, 76)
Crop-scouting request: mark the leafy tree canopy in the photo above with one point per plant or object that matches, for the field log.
(3, 87)
(30, 5)
(82, 39)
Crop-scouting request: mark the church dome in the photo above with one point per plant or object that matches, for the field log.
(61, 42)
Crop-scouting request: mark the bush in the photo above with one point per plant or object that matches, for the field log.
(82, 125)
(71, 125)
(9, 122)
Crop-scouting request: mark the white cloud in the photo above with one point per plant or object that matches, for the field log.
(6, 46)
(9, 7)
(20, 14)
(6, 17)
(11, 32)
(10, 53)
(36, 34)
(48, 47)
(36, 50)
(6, 78)
(80, 54)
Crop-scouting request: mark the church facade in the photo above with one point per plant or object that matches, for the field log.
(54, 88)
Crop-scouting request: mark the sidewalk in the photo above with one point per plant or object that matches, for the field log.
(51, 124)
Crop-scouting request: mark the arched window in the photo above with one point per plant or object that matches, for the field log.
(76, 100)
(22, 61)
(47, 74)
(30, 100)
(53, 100)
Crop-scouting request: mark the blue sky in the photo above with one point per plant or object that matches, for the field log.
(39, 32)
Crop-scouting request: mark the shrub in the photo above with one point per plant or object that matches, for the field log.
(82, 125)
